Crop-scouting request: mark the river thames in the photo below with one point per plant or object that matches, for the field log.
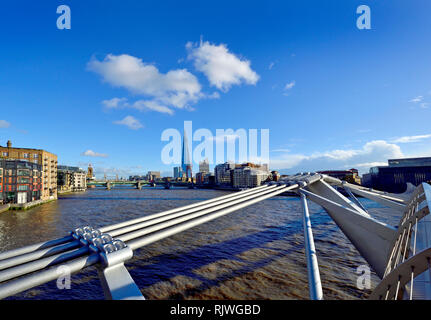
(254, 253)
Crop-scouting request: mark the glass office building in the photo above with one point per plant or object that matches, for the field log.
(399, 172)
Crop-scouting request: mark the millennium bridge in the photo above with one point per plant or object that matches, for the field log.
(400, 255)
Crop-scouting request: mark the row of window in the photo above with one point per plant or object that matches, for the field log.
(22, 187)
(22, 172)
(24, 155)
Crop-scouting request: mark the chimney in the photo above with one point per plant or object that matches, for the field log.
(9, 144)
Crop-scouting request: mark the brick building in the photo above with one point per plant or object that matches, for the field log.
(47, 161)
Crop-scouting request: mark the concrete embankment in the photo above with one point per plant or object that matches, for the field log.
(24, 206)
(4, 207)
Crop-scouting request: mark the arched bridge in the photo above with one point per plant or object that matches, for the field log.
(139, 184)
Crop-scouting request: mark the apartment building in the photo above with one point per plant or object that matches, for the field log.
(71, 179)
(20, 181)
(222, 173)
(47, 161)
(153, 175)
(248, 177)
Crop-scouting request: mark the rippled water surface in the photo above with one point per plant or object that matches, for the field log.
(253, 253)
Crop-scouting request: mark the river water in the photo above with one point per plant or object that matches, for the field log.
(254, 253)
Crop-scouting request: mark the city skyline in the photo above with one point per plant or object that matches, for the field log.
(333, 96)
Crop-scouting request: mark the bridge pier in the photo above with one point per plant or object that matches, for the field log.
(108, 186)
(139, 185)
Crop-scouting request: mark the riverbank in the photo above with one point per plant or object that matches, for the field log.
(4, 207)
(24, 206)
(61, 193)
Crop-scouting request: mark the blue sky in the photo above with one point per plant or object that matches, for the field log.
(332, 96)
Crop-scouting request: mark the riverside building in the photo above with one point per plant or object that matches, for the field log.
(248, 177)
(47, 161)
(395, 176)
(20, 181)
(71, 179)
(222, 173)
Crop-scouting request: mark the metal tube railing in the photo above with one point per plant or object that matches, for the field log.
(34, 247)
(140, 242)
(17, 260)
(31, 256)
(156, 220)
(34, 252)
(144, 231)
(137, 241)
(314, 282)
(41, 263)
(27, 282)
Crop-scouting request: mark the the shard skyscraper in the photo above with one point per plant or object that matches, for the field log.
(186, 163)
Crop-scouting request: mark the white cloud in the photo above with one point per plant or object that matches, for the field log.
(4, 124)
(409, 139)
(372, 152)
(222, 68)
(151, 105)
(214, 95)
(176, 88)
(271, 65)
(91, 153)
(130, 122)
(289, 85)
(370, 164)
(424, 105)
(417, 99)
(115, 103)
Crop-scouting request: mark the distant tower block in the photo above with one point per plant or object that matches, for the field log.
(189, 174)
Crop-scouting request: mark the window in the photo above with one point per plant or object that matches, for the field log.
(35, 156)
(23, 180)
(5, 154)
(26, 155)
(22, 188)
(23, 172)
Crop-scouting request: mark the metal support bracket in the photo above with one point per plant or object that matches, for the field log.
(116, 281)
(350, 193)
